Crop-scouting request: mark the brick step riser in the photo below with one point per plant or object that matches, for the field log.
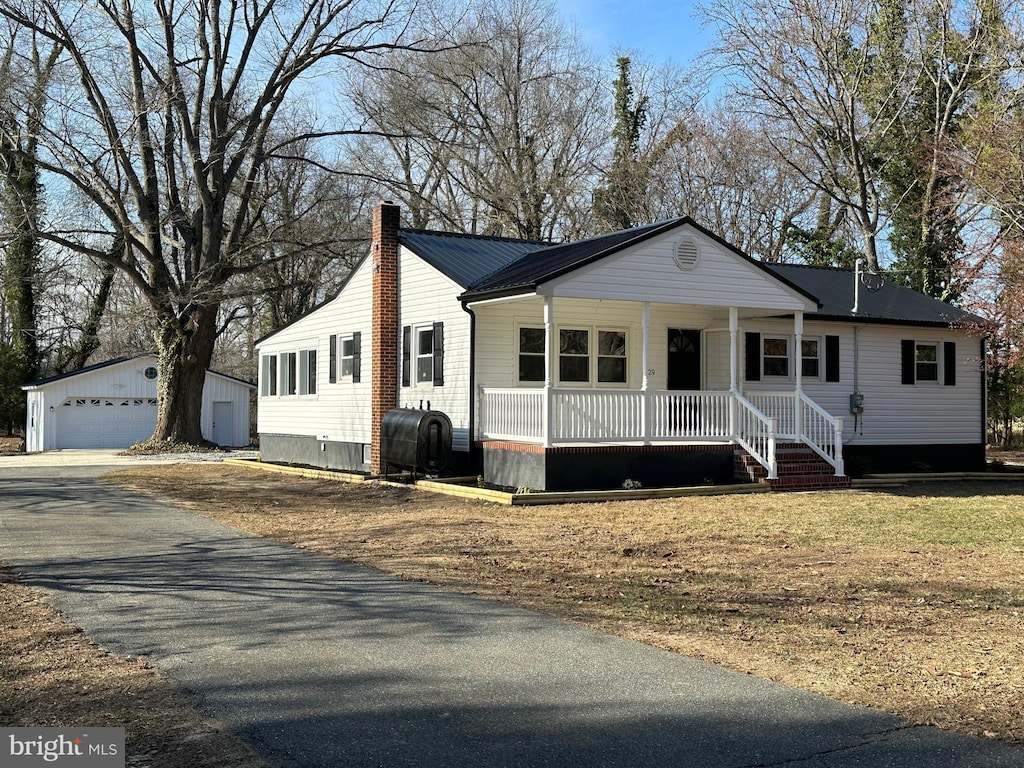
(799, 470)
(785, 469)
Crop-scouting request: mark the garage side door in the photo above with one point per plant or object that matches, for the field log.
(104, 422)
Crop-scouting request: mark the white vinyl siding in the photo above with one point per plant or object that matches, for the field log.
(340, 412)
(894, 414)
(429, 297)
(132, 397)
(648, 272)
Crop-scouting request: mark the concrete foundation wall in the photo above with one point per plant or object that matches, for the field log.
(308, 451)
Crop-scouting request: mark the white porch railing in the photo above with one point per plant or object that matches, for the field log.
(800, 419)
(756, 424)
(822, 432)
(756, 434)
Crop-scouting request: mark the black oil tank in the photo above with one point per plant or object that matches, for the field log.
(417, 440)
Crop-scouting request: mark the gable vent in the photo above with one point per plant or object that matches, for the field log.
(686, 253)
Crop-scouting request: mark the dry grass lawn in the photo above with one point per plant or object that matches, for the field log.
(909, 601)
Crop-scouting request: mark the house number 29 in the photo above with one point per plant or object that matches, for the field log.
(650, 371)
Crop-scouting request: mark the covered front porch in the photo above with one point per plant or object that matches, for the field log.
(758, 424)
(683, 411)
(668, 343)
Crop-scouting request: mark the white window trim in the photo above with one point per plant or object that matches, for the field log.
(792, 358)
(268, 378)
(765, 338)
(414, 360)
(820, 358)
(343, 339)
(597, 355)
(282, 374)
(937, 345)
(517, 381)
(592, 354)
(302, 372)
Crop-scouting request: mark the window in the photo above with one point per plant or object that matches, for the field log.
(287, 373)
(150, 372)
(307, 372)
(269, 375)
(531, 354)
(776, 356)
(810, 364)
(926, 362)
(422, 352)
(922, 361)
(574, 355)
(348, 348)
(424, 355)
(611, 357)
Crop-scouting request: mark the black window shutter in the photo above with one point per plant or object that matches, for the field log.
(753, 356)
(909, 361)
(406, 355)
(438, 354)
(949, 363)
(357, 366)
(831, 358)
(332, 368)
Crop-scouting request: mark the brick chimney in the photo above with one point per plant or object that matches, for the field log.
(384, 349)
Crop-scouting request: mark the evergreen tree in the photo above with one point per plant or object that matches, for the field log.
(617, 199)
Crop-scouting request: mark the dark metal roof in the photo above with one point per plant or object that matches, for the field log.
(541, 265)
(466, 258)
(892, 303)
(117, 361)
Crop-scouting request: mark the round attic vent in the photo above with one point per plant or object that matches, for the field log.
(686, 253)
(150, 372)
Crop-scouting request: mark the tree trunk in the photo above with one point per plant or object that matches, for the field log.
(185, 349)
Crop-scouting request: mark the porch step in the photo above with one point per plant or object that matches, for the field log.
(799, 468)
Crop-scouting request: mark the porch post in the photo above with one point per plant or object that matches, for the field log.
(549, 357)
(645, 413)
(734, 332)
(798, 410)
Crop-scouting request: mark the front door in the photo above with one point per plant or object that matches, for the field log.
(683, 359)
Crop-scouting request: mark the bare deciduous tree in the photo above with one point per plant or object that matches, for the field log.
(802, 67)
(166, 120)
(497, 136)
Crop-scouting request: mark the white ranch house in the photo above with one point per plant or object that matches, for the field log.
(659, 355)
(113, 405)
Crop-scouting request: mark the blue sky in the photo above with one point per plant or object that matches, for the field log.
(661, 30)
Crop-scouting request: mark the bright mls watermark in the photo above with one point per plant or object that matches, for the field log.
(72, 747)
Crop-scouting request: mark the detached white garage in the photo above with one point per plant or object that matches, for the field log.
(113, 405)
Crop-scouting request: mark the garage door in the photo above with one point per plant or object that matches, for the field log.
(104, 422)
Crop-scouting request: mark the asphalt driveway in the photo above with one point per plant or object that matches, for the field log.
(315, 662)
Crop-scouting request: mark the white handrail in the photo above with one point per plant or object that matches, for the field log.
(755, 433)
(822, 432)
